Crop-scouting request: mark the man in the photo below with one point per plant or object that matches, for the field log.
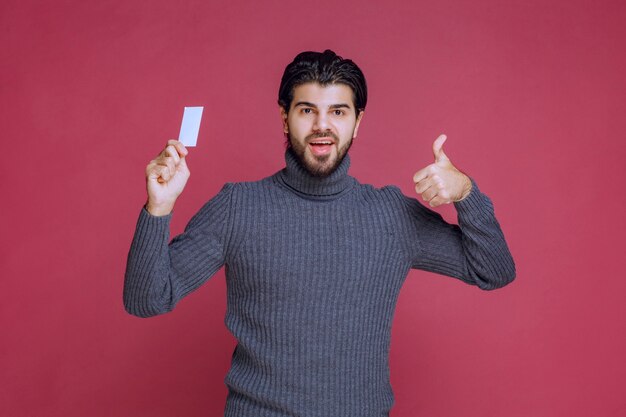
(314, 259)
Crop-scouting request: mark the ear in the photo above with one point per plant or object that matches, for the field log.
(283, 116)
(356, 126)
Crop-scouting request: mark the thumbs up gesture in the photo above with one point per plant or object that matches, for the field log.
(440, 182)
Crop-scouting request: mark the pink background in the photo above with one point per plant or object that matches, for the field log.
(530, 94)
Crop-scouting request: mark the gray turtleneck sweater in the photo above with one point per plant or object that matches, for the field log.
(313, 272)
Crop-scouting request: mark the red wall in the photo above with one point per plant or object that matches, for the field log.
(530, 94)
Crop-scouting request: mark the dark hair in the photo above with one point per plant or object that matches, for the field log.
(324, 68)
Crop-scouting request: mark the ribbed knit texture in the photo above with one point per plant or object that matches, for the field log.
(313, 271)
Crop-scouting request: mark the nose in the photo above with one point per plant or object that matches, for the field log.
(321, 122)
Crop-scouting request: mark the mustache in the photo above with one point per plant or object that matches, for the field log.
(322, 135)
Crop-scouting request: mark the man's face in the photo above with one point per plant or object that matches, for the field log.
(321, 124)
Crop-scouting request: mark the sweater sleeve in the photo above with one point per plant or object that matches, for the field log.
(473, 251)
(159, 274)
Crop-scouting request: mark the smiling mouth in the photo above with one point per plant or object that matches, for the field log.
(321, 147)
(321, 142)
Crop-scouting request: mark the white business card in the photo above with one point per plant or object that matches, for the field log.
(191, 126)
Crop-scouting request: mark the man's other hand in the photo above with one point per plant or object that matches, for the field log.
(166, 176)
(440, 182)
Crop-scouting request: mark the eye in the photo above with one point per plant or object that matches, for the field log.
(307, 110)
(338, 112)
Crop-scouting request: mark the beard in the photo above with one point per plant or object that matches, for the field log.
(319, 166)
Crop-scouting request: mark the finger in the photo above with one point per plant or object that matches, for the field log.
(420, 175)
(444, 195)
(437, 201)
(438, 149)
(422, 186)
(151, 170)
(172, 152)
(441, 194)
(179, 146)
(167, 162)
(171, 166)
(160, 173)
(433, 180)
(430, 193)
(182, 165)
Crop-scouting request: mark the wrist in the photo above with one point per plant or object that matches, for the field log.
(467, 189)
(159, 209)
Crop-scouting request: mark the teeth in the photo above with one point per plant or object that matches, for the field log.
(322, 143)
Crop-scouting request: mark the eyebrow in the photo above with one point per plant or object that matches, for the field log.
(332, 106)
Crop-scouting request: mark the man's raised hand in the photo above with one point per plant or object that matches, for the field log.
(166, 176)
(440, 182)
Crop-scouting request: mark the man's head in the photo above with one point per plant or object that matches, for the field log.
(323, 68)
(322, 98)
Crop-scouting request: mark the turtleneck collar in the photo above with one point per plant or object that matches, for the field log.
(296, 177)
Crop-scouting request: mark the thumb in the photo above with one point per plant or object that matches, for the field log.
(438, 149)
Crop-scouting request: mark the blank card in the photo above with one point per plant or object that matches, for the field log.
(191, 126)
